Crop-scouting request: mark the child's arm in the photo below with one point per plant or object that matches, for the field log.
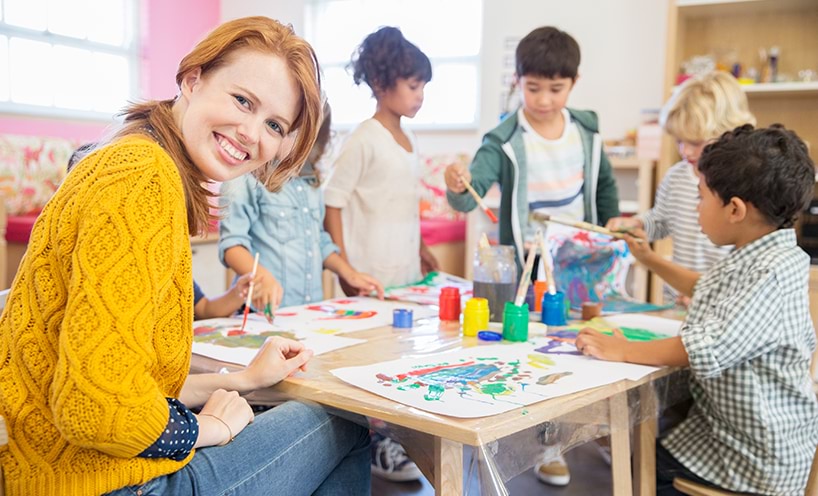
(267, 290)
(483, 172)
(682, 279)
(363, 283)
(428, 262)
(607, 195)
(656, 221)
(227, 304)
(616, 348)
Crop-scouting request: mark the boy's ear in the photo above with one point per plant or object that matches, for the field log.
(190, 80)
(737, 210)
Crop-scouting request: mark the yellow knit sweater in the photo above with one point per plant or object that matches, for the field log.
(97, 329)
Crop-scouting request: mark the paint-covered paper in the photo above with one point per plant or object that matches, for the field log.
(427, 291)
(224, 340)
(342, 315)
(487, 379)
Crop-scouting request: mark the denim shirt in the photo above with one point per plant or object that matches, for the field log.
(286, 229)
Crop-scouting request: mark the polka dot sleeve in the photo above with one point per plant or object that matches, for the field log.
(179, 436)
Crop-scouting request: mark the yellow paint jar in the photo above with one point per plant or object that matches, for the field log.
(475, 316)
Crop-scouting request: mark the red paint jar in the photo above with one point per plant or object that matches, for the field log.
(450, 304)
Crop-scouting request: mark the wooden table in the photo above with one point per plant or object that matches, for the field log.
(437, 441)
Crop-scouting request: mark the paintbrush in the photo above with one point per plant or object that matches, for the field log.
(585, 226)
(529, 265)
(479, 200)
(549, 272)
(249, 293)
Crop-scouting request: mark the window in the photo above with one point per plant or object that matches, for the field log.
(450, 38)
(74, 58)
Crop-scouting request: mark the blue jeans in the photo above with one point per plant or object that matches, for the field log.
(293, 449)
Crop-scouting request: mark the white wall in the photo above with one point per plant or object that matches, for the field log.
(622, 44)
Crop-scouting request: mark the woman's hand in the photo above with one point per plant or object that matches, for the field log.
(454, 175)
(232, 414)
(277, 359)
(593, 343)
(624, 224)
(266, 291)
(364, 284)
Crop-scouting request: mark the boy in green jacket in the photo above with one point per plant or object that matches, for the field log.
(546, 157)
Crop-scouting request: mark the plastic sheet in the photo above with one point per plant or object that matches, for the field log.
(503, 446)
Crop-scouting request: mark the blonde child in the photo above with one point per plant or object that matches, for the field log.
(96, 332)
(748, 337)
(372, 197)
(286, 229)
(703, 108)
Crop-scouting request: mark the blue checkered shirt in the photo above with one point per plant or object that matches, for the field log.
(754, 423)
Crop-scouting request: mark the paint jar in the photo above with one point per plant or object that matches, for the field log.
(553, 309)
(495, 278)
(591, 309)
(449, 304)
(475, 316)
(540, 287)
(402, 318)
(515, 322)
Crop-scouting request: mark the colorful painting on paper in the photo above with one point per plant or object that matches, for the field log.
(342, 315)
(485, 380)
(635, 327)
(592, 267)
(223, 339)
(427, 291)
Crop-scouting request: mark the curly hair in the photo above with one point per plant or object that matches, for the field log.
(547, 52)
(386, 56)
(768, 167)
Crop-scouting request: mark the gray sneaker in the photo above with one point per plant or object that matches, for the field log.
(389, 461)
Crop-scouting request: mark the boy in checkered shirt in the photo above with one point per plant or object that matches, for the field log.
(748, 336)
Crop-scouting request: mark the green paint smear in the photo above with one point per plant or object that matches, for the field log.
(637, 334)
(435, 392)
(494, 389)
(488, 358)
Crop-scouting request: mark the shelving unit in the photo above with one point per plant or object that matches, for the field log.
(740, 28)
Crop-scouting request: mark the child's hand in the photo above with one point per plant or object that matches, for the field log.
(242, 285)
(428, 262)
(277, 359)
(641, 250)
(365, 284)
(594, 343)
(266, 290)
(454, 176)
(624, 224)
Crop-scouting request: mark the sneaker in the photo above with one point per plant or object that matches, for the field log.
(553, 471)
(390, 462)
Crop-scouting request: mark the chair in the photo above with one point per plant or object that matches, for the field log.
(693, 489)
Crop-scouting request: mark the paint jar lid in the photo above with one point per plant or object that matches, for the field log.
(402, 318)
(489, 336)
(477, 304)
(450, 292)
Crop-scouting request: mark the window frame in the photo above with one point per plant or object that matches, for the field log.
(129, 51)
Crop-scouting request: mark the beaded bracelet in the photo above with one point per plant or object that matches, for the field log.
(229, 430)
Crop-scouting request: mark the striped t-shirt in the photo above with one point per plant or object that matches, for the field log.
(674, 214)
(555, 171)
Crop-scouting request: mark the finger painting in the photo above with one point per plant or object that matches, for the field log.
(485, 380)
(427, 291)
(223, 339)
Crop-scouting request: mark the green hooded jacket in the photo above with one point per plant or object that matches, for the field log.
(502, 159)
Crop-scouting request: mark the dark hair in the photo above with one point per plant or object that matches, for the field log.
(547, 52)
(79, 154)
(768, 167)
(386, 56)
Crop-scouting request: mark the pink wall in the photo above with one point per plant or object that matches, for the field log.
(169, 31)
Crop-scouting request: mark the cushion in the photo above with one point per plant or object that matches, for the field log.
(433, 204)
(31, 169)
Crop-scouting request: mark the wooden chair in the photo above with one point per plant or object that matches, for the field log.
(693, 489)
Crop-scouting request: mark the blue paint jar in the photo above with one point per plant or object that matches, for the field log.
(553, 309)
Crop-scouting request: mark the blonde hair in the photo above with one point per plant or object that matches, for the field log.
(704, 107)
(155, 118)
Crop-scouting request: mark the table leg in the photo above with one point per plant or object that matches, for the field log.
(620, 445)
(448, 467)
(644, 456)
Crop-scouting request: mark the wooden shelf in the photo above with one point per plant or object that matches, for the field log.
(782, 89)
(696, 8)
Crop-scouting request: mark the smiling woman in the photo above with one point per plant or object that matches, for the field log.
(97, 350)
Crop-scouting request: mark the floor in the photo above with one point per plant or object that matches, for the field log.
(589, 475)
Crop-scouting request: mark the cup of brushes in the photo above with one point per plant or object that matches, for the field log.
(515, 314)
